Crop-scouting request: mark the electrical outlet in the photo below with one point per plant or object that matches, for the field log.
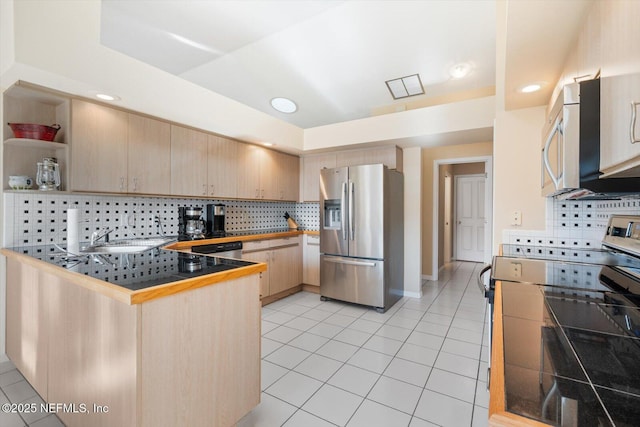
(516, 218)
(516, 270)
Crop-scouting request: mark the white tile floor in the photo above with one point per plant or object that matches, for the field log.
(422, 363)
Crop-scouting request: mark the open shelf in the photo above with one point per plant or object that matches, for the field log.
(34, 143)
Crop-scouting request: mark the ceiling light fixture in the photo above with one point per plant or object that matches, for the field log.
(268, 144)
(284, 105)
(107, 97)
(532, 87)
(459, 71)
(404, 87)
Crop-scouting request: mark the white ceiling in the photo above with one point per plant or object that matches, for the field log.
(333, 57)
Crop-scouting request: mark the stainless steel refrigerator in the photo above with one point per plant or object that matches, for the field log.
(362, 235)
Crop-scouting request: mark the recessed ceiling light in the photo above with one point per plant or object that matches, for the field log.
(268, 144)
(405, 86)
(532, 87)
(106, 97)
(459, 71)
(284, 105)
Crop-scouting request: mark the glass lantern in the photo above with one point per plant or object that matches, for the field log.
(48, 177)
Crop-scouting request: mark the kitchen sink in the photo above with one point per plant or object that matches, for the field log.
(126, 246)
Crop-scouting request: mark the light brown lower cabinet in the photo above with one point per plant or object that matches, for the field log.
(284, 259)
(188, 359)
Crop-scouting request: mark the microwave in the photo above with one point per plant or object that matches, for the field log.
(570, 149)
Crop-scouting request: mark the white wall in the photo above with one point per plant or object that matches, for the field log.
(412, 167)
(517, 173)
(406, 125)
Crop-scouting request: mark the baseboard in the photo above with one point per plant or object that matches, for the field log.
(311, 288)
(4, 358)
(428, 277)
(413, 294)
(280, 295)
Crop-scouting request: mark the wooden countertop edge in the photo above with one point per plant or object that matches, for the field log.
(187, 244)
(498, 415)
(105, 288)
(172, 288)
(128, 296)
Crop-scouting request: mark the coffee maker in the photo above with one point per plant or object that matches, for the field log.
(190, 223)
(215, 220)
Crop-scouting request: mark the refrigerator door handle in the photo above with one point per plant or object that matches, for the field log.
(343, 225)
(352, 231)
(351, 262)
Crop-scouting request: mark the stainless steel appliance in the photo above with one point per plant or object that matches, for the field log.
(361, 235)
(227, 249)
(190, 223)
(215, 220)
(570, 154)
(571, 325)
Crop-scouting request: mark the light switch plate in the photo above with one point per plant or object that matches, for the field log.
(516, 218)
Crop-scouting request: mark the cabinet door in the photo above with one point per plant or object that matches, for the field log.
(188, 162)
(288, 177)
(311, 260)
(248, 184)
(620, 94)
(620, 34)
(385, 155)
(286, 268)
(311, 175)
(223, 169)
(149, 155)
(271, 169)
(98, 148)
(261, 256)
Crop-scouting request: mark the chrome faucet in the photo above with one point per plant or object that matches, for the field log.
(97, 235)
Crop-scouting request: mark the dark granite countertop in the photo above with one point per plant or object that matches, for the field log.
(569, 352)
(136, 271)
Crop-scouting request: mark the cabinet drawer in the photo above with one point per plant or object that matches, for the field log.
(254, 245)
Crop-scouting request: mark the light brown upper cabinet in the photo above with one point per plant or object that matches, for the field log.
(620, 126)
(223, 168)
(149, 155)
(312, 165)
(98, 148)
(118, 152)
(267, 174)
(289, 177)
(189, 150)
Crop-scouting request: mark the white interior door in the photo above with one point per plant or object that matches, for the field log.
(470, 217)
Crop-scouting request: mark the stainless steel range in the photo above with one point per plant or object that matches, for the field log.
(571, 324)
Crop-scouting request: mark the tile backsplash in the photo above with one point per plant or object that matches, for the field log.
(34, 218)
(573, 223)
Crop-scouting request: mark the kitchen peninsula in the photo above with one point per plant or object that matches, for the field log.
(158, 338)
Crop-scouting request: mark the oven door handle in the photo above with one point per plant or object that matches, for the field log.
(481, 285)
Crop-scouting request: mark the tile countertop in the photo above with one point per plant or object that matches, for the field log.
(567, 355)
(140, 277)
(135, 278)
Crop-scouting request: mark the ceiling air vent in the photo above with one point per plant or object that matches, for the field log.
(405, 86)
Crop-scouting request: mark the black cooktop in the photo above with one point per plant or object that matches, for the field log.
(571, 335)
(136, 271)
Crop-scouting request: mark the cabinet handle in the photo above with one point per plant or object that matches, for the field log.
(632, 130)
(122, 183)
(213, 189)
(262, 195)
(135, 183)
(204, 189)
(257, 193)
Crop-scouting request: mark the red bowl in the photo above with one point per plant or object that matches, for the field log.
(33, 131)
